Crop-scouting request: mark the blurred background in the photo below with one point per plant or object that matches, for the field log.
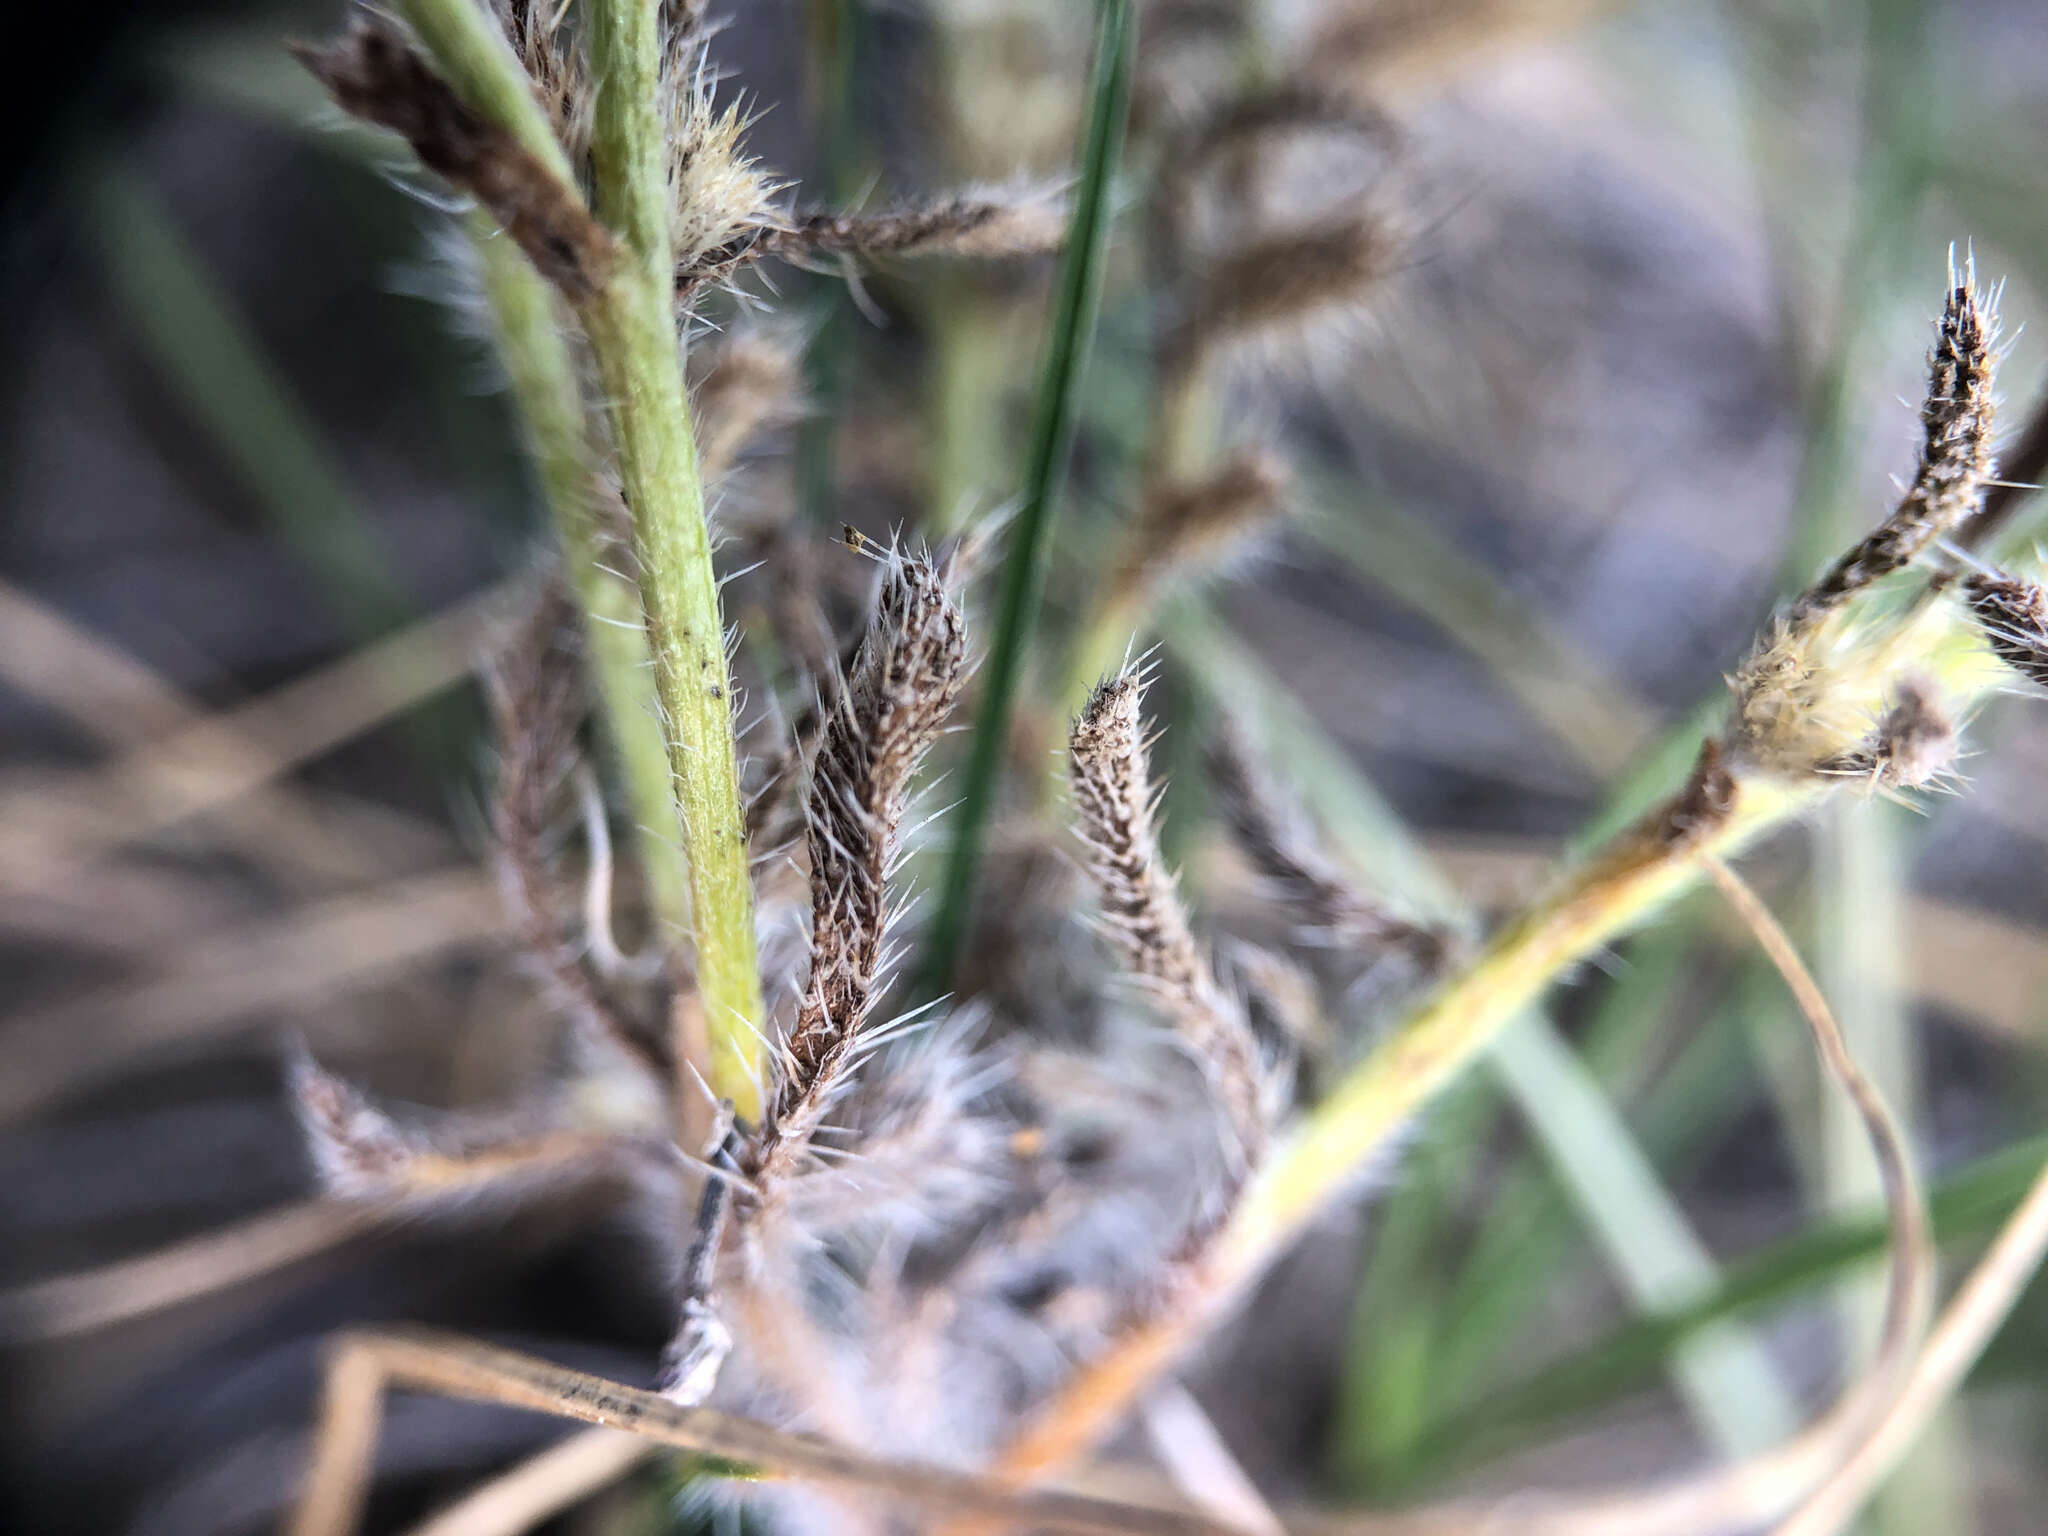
(1653, 352)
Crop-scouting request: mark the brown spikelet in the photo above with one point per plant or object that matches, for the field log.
(1243, 124)
(1279, 281)
(958, 226)
(1186, 526)
(1278, 844)
(2013, 615)
(554, 64)
(1913, 745)
(357, 1150)
(1141, 909)
(361, 1153)
(903, 684)
(1955, 459)
(750, 383)
(371, 73)
(534, 687)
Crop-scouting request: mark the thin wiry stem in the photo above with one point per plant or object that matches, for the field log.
(1967, 1325)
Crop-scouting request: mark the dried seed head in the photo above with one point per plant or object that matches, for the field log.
(1141, 908)
(372, 74)
(1913, 745)
(535, 688)
(2013, 615)
(1278, 843)
(720, 202)
(556, 67)
(1277, 283)
(1223, 151)
(358, 1151)
(1187, 527)
(750, 383)
(1955, 459)
(1805, 697)
(902, 688)
(986, 227)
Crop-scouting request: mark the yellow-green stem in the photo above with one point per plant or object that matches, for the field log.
(632, 327)
(537, 360)
(631, 324)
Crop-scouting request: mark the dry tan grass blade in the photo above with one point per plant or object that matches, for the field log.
(363, 1366)
(207, 765)
(542, 1486)
(201, 1266)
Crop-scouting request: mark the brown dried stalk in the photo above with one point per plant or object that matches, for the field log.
(1274, 836)
(902, 688)
(1183, 525)
(956, 226)
(1141, 909)
(1955, 459)
(373, 74)
(1281, 280)
(534, 686)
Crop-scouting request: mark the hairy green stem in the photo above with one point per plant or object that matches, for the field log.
(537, 360)
(631, 324)
(632, 329)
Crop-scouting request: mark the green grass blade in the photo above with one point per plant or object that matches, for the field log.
(1969, 1204)
(1052, 434)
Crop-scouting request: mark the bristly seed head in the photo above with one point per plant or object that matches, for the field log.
(1141, 908)
(2013, 615)
(1955, 458)
(1281, 281)
(1913, 745)
(1188, 525)
(1806, 696)
(902, 688)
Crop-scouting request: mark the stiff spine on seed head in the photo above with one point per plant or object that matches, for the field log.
(1281, 848)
